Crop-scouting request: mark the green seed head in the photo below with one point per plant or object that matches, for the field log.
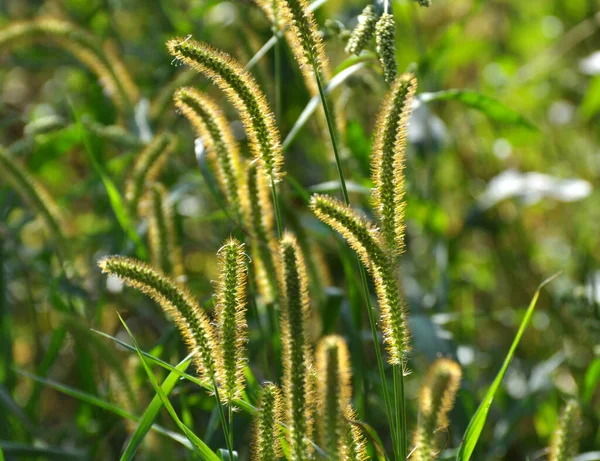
(436, 399)
(565, 441)
(363, 32)
(355, 446)
(192, 322)
(266, 445)
(231, 320)
(385, 38)
(244, 93)
(387, 161)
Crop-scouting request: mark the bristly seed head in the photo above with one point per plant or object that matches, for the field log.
(365, 240)
(266, 445)
(387, 161)
(565, 440)
(192, 322)
(436, 399)
(244, 93)
(363, 32)
(385, 38)
(231, 320)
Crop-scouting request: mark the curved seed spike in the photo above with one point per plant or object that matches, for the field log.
(385, 38)
(165, 253)
(266, 445)
(387, 161)
(295, 348)
(260, 220)
(307, 44)
(364, 239)
(436, 399)
(146, 168)
(243, 91)
(355, 447)
(231, 320)
(363, 32)
(83, 46)
(210, 125)
(334, 393)
(32, 192)
(565, 440)
(192, 322)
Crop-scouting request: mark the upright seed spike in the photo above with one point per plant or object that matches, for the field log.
(385, 38)
(295, 348)
(436, 399)
(231, 320)
(355, 447)
(334, 393)
(266, 445)
(565, 440)
(388, 158)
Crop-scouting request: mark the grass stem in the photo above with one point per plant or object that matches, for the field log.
(228, 438)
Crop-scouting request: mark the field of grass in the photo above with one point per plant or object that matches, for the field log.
(303, 230)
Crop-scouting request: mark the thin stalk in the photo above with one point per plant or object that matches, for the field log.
(230, 417)
(277, 210)
(228, 440)
(402, 434)
(363, 274)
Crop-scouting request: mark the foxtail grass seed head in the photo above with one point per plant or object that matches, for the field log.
(363, 32)
(164, 251)
(295, 348)
(232, 334)
(334, 393)
(266, 445)
(260, 222)
(212, 127)
(388, 159)
(436, 399)
(34, 194)
(355, 445)
(307, 44)
(244, 93)
(192, 322)
(146, 168)
(365, 240)
(565, 440)
(385, 39)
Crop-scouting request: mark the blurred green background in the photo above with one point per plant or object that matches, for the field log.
(501, 194)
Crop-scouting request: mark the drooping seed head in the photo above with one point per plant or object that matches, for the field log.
(334, 393)
(385, 39)
(244, 93)
(212, 127)
(307, 44)
(363, 32)
(436, 399)
(365, 240)
(35, 195)
(565, 440)
(146, 168)
(192, 322)
(388, 159)
(295, 347)
(266, 445)
(164, 251)
(231, 320)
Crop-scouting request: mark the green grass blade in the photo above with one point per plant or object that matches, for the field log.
(98, 402)
(202, 449)
(491, 107)
(152, 411)
(23, 451)
(476, 424)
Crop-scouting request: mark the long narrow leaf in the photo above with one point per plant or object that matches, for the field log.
(152, 411)
(476, 424)
(200, 447)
